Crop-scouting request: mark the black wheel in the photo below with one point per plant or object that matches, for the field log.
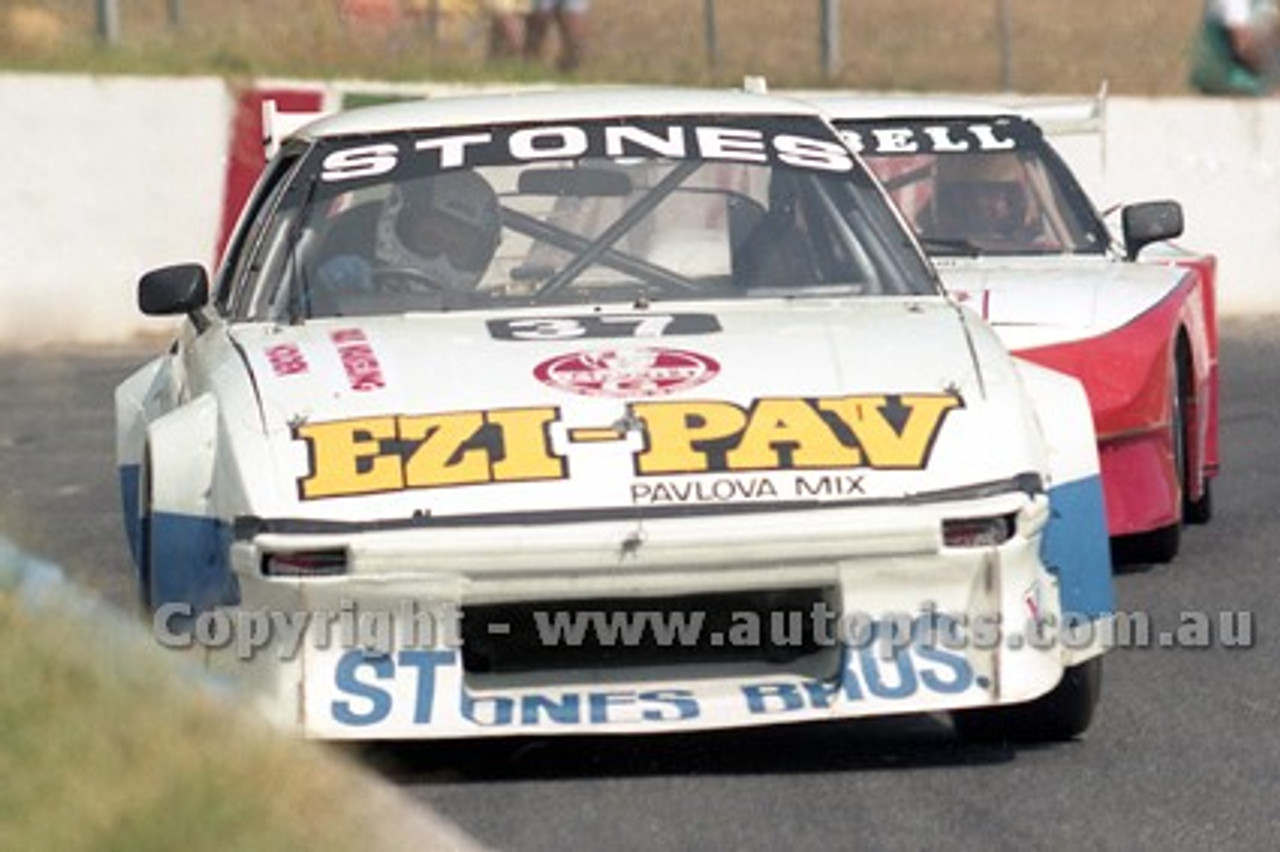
(1200, 511)
(1062, 714)
(145, 605)
(1157, 547)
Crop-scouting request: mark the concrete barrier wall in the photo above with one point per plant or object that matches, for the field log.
(101, 178)
(1221, 159)
(104, 178)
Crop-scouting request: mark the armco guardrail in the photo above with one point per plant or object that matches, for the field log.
(107, 177)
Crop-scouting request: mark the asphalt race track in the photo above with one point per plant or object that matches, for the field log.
(1185, 751)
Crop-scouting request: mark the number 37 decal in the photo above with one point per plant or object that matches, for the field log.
(603, 326)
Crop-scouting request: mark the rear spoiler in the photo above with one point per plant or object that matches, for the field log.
(277, 125)
(1062, 118)
(1073, 118)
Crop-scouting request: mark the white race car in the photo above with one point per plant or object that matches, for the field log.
(609, 411)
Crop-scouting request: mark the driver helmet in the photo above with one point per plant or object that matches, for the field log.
(982, 194)
(446, 226)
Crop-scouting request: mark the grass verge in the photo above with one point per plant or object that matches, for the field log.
(107, 748)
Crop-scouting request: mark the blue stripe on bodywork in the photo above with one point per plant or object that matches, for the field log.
(190, 559)
(130, 476)
(1076, 547)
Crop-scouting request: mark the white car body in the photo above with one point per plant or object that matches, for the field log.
(690, 453)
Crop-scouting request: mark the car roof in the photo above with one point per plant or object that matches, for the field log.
(567, 105)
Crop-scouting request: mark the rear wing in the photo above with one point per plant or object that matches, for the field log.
(1069, 117)
(1073, 118)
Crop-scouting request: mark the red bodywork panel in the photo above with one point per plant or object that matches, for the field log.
(1127, 374)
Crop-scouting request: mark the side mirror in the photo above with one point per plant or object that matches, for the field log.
(1149, 222)
(173, 290)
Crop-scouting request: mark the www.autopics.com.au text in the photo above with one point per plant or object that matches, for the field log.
(411, 624)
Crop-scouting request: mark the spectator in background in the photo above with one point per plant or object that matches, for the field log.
(570, 20)
(507, 19)
(1237, 50)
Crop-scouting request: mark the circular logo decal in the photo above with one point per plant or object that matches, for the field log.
(627, 372)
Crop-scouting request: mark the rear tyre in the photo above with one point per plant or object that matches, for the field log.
(1152, 548)
(145, 604)
(1060, 715)
(1200, 511)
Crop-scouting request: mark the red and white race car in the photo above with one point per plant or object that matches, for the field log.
(1015, 236)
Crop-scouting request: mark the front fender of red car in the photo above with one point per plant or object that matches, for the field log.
(1129, 375)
